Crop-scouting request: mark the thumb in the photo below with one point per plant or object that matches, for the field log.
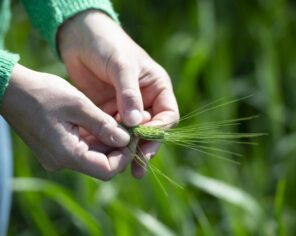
(129, 98)
(98, 123)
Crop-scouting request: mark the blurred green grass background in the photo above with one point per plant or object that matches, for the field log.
(211, 49)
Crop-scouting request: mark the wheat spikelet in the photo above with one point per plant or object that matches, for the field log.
(206, 138)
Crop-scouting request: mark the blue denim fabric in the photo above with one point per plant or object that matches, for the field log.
(5, 175)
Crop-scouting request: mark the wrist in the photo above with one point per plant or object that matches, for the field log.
(18, 83)
(7, 102)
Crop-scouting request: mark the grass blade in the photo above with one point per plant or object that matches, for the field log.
(225, 192)
(62, 197)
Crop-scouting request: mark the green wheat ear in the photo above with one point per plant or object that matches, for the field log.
(205, 138)
(149, 133)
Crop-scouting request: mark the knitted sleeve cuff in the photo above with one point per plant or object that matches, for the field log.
(48, 15)
(7, 62)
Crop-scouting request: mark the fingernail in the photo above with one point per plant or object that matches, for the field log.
(121, 138)
(133, 118)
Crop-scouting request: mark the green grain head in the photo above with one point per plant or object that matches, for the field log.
(149, 133)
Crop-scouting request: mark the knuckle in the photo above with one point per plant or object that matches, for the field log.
(153, 66)
(119, 65)
(79, 102)
(103, 127)
(131, 98)
(161, 71)
(74, 156)
(160, 76)
(77, 153)
(160, 84)
(122, 65)
(108, 172)
(163, 75)
(75, 104)
(105, 174)
(130, 94)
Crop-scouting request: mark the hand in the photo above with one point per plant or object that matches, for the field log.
(117, 75)
(49, 114)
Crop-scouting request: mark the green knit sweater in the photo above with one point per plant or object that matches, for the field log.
(46, 16)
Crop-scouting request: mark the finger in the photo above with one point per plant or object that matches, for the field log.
(117, 117)
(87, 81)
(119, 159)
(140, 165)
(109, 107)
(159, 96)
(95, 145)
(149, 149)
(164, 113)
(146, 117)
(98, 123)
(128, 94)
(83, 132)
(100, 166)
(82, 156)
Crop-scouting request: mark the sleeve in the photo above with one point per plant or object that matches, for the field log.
(48, 15)
(7, 62)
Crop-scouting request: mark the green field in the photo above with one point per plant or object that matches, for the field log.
(211, 49)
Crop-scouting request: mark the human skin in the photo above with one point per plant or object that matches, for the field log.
(68, 128)
(47, 112)
(117, 75)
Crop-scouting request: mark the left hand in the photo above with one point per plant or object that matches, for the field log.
(117, 75)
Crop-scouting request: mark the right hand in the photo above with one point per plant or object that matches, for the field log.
(118, 76)
(49, 114)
